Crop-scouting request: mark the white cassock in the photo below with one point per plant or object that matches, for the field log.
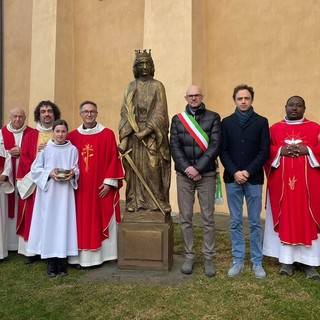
(53, 231)
(5, 187)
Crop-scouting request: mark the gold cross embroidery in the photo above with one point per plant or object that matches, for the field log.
(86, 153)
(292, 182)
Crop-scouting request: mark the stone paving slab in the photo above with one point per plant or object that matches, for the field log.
(110, 271)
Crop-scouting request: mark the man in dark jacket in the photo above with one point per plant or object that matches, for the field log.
(245, 149)
(195, 141)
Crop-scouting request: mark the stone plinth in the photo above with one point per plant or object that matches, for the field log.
(145, 241)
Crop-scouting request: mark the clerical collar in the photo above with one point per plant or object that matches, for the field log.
(293, 121)
(59, 144)
(85, 128)
(9, 127)
(41, 128)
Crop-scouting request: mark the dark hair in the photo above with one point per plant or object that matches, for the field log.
(60, 122)
(140, 59)
(304, 104)
(88, 102)
(55, 109)
(242, 87)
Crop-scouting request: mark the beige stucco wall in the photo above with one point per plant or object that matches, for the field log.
(17, 27)
(272, 45)
(106, 33)
(72, 50)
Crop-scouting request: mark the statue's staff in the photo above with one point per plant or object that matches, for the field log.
(142, 180)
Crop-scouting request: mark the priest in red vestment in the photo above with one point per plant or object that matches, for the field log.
(45, 114)
(293, 202)
(12, 135)
(97, 197)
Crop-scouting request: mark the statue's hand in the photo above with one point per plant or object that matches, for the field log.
(122, 147)
(141, 135)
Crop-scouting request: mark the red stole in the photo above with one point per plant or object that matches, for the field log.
(9, 143)
(98, 160)
(2, 161)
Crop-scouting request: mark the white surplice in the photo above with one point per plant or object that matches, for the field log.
(5, 187)
(53, 231)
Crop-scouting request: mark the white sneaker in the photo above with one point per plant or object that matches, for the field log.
(259, 272)
(235, 269)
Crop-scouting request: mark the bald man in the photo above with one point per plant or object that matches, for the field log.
(195, 140)
(11, 136)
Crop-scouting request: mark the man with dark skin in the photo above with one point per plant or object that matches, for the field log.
(293, 203)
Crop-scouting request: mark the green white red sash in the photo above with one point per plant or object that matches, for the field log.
(193, 127)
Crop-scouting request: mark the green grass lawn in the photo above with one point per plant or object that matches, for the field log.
(27, 293)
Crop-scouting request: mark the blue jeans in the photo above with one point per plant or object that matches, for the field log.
(253, 195)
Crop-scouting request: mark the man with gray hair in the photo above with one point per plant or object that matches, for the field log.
(11, 136)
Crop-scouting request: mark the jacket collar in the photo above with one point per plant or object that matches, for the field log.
(195, 112)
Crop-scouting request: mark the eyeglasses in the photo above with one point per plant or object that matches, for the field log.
(190, 96)
(89, 112)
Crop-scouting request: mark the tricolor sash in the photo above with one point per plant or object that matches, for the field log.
(198, 134)
(193, 127)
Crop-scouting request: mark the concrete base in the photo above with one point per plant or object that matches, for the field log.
(145, 241)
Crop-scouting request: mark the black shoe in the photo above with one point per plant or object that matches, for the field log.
(311, 272)
(32, 259)
(286, 270)
(62, 269)
(52, 268)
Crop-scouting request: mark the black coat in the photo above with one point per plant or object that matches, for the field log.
(184, 149)
(245, 147)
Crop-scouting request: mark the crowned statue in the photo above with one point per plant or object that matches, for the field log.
(144, 143)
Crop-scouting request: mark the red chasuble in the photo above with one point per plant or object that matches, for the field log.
(294, 186)
(25, 207)
(98, 160)
(9, 143)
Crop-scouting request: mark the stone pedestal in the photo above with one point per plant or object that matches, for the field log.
(145, 241)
